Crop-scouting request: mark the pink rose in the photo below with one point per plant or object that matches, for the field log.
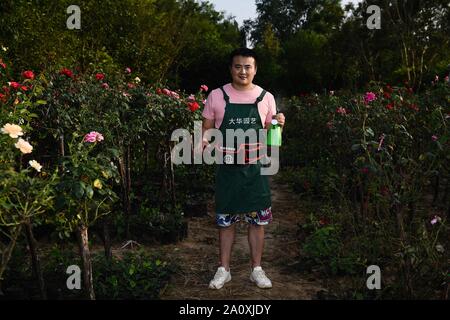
(93, 136)
(435, 220)
(369, 97)
(341, 110)
(204, 88)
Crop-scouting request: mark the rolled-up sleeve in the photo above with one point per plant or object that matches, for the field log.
(272, 108)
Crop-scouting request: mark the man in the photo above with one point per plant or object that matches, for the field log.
(241, 190)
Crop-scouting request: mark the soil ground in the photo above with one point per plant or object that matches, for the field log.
(197, 256)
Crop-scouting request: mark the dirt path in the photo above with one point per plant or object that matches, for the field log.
(198, 258)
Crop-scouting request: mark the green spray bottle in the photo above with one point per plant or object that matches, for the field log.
(274, 134)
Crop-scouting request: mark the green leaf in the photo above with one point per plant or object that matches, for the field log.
(369, 132)
(89, 192)
(41, 102)
(131, 270)
(78, 190)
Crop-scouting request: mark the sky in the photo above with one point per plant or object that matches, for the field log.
(244, 9)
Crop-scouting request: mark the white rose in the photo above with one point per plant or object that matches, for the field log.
(35, 165)
(13, 130)
(24, 146)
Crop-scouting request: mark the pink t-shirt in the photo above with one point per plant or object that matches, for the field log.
(215, 103)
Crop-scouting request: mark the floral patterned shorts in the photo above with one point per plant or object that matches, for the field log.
(261, 217)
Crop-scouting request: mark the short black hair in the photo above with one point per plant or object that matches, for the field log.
(244, 52)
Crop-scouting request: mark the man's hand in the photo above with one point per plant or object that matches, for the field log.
(280, 118)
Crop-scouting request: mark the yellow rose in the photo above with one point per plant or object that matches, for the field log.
(105, 174)
(98, 184)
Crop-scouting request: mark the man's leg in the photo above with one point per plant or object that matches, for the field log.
(226, 239)
(256, 243)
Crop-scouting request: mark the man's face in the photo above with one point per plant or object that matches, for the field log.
(243, 70)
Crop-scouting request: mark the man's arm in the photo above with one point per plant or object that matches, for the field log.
(207, 124)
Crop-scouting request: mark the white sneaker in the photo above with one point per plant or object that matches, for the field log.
(259, 276)
(221, 277)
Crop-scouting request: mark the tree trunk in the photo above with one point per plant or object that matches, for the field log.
(107, 239)
(35, 261)
(7, 251)
(87, 263)
(406, 259)
(128, 165)
(172, 176)
(125, 194)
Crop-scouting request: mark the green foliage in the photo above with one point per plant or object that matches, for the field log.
(376, 164)
(153, 225)
(137, 275)
(323, 247)
(325, 46)
(134, 275)
(159, 38)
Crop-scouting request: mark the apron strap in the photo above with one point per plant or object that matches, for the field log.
(225, 96)
(261, 97)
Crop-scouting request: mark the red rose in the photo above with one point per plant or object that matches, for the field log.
(414, 107)
(24, 88)
(193, 106)
(2, 64)
(100, 76)
(384, 191)
(390, 106)
(306, 185)
(28, 74)
(66, 72)
(14, 85)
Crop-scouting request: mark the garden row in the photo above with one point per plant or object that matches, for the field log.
(92, 150)
(373, 171)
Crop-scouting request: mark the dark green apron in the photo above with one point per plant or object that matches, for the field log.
(240, 188)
